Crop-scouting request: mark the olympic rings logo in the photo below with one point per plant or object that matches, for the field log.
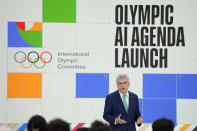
(31, 60)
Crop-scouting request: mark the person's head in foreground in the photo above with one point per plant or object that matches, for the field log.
(58, 125)
(37, 123)
(163, 124)
(83, 129)
(99, 126)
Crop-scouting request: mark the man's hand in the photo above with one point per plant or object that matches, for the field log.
(120, 121)
(139, 120)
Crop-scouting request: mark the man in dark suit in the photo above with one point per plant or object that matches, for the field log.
(122, 107)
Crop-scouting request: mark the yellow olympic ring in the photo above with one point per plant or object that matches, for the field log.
(29, 65)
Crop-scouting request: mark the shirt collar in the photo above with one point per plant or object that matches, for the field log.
(122, 94)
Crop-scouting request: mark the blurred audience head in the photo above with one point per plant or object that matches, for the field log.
(163, 124)
(37, 123)
(195, 129)
(83, 129)
(58, 125)
(5, 129)
(100, 126)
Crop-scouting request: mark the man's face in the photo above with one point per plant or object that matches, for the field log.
(123, 85)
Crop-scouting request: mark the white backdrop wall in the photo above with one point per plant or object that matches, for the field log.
(92, 33)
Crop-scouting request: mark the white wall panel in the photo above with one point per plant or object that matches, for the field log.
(2, 110)
(3, 57)
(186, 111)
(93, 36)
(59, 85)
(3, 46)
(59, 35)
(59, 108)
(93, 11)
(20, 110)
(3, 91)
(21, 10)
(3, 33)
(89, 110)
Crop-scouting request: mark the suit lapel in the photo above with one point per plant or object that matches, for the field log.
(130, 102)
(119, 100)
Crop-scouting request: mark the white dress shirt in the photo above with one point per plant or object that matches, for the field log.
(127, 98)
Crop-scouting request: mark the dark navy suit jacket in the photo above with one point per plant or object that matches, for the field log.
(114, 107)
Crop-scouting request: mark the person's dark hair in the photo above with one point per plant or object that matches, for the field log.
(163, 124)
(58, 125)
(83, 129)
(195, 129)
(37, 122)
(100, 126)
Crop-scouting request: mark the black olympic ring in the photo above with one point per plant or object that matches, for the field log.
(37, 58)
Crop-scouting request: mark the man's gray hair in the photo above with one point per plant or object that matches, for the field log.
(122, 76)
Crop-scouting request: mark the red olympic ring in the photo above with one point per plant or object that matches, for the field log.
(47, 53)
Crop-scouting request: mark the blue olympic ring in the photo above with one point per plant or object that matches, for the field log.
(22, 53)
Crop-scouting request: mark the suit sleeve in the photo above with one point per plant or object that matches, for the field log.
(107, 115)
(137, 114)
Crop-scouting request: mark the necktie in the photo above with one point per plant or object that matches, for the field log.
(125, 102)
